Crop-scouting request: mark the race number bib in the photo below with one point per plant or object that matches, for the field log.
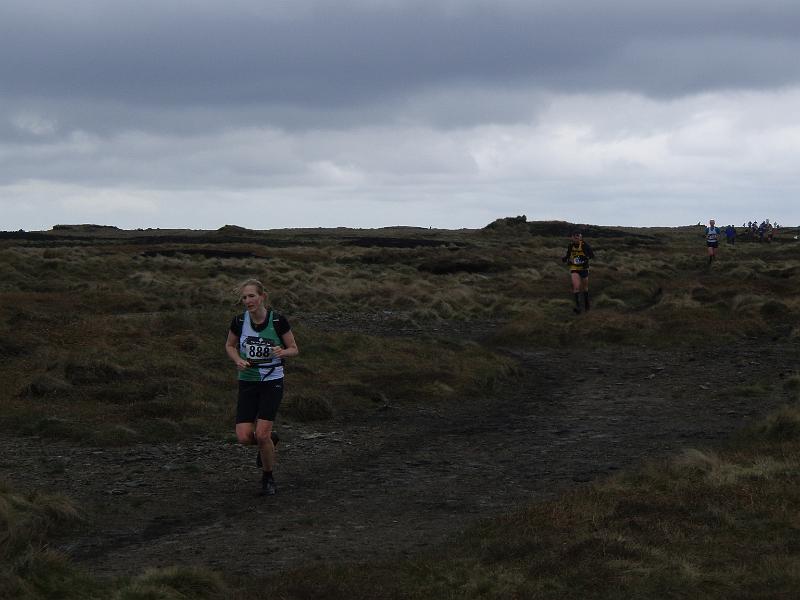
(257, 350)
(578, 260)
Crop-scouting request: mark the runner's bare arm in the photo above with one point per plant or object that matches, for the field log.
(232, 350)
(289, 346)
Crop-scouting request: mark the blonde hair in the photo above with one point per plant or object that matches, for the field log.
(255, 283)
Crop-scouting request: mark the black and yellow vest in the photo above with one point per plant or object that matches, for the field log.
(576, 258)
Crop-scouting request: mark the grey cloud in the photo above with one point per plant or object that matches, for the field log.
(367, 108)
(327, 61)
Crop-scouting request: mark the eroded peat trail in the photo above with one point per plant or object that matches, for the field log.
(397, 481)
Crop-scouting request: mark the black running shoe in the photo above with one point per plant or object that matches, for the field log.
(268, 487)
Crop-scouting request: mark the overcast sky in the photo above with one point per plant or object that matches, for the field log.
(443, 113)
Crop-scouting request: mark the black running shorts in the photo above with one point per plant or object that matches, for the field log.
(259, 400)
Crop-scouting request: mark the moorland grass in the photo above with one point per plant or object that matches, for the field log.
(125, 377)
(116, 341)
(104, 343)
(704, 524)
(30, 570)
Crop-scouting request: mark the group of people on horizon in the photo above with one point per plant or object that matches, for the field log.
(764, 231)
(756, 232)
(579, 253)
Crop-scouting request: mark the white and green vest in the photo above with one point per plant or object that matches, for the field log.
(256, 347)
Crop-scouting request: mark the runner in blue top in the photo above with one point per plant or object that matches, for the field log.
(730, 235)
(258, 341)
(712, 240)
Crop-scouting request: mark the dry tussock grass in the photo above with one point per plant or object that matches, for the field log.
(28, 519)
(781, 426)
(175, 583)
(27, 568)
(634, 294)
(752, 303)
(326, 275)
(632, 286)
(130, 355)
(719, 472)
(351, 371)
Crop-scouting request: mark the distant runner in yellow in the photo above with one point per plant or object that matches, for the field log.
(258, 341)
(577, 257)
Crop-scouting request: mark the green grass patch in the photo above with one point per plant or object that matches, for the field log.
(351, 371)
(148, 377)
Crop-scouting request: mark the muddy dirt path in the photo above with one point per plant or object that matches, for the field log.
(396, 481)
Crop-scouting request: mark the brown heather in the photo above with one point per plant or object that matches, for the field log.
(116, 338)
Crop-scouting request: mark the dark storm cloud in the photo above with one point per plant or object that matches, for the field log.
(129, 61)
